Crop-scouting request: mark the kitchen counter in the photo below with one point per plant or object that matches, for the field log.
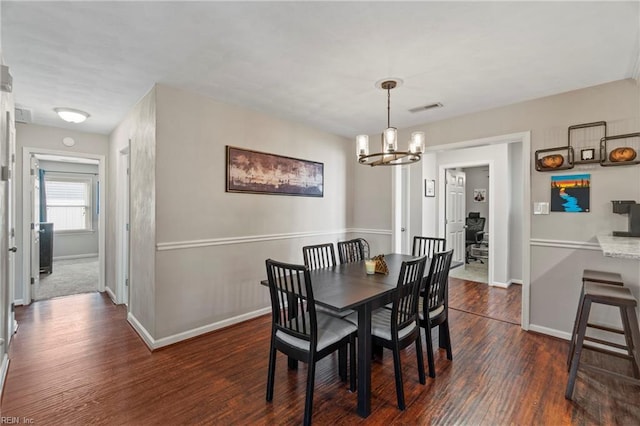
(623, 247)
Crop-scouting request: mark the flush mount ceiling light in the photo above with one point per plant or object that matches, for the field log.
(71, 115)
(390, 156)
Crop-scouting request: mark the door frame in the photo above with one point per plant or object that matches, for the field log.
(27, 152)
(123, 258)
(525, 167)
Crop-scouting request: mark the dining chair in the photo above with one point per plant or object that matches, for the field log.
(398, 327)
(427, 246)
(350, 251)
(299, 331)
(434, 305)
(319, 256)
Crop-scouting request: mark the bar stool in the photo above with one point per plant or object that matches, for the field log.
(590, 275)
(613, 296)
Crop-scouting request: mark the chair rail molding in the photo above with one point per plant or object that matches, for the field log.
(572, 245)
(188, 244)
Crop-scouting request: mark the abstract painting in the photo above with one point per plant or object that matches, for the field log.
(261, 173)
(570, 193)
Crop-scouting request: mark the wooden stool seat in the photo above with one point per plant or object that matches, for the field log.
(590, 275)
(612, 295)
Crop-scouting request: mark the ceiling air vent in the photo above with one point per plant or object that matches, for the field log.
(23, 115)
(426, 107)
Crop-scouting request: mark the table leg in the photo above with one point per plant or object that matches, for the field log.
(364, 360)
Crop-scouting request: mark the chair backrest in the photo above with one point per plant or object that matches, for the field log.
(427, 246)
(319, 256)
(437, 282)
(474, 215)
(292, 303)
(405, 300)
(350, 251)
(474, 225)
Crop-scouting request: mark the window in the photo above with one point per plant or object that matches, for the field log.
(69, 202)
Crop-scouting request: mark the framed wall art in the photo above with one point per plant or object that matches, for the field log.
(262, 173)
(570, 193)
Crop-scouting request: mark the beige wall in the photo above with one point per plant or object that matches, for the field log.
(212, 244)
(46, 138)
(555, 287)
(140, 127)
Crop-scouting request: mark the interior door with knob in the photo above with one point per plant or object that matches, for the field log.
(455, 213)
(35, 227)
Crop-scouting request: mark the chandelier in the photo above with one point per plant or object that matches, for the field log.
(390, 156)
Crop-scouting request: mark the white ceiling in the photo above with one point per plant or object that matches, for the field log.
(313, 62)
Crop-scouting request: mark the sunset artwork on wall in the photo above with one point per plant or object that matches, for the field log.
(262, 173)
(570, 193)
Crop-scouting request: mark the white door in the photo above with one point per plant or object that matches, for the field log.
(455, 213)
(35, 226)
(11, 222)
(123, 229)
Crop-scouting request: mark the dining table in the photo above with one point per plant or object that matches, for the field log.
(347, 286)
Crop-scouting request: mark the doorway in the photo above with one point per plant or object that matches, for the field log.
(73, 227)
(508, 244)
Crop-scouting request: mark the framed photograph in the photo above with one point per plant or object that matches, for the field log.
(479, 195)
(262, 173)
(429, 188)
(570, 193)
(587, 154)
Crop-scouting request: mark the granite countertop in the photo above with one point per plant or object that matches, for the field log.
(624, 247)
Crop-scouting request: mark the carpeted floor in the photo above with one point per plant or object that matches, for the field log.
(70, 276)
(472, 271)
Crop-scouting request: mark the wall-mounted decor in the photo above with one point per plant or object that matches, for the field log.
(429, 188)
(262, 173)
(617, 150)
(570, 193)
(479, 195)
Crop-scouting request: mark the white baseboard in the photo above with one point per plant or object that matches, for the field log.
(550, 331)
(500, 285)
(169, 340)
(3, 372)
(142, 332)
(75, 256)
(512, 281)
(18, 302)
(111, 295)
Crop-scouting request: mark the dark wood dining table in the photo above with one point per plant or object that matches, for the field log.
(348, 286)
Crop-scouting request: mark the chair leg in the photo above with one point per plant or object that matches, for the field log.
(308, 405)
(398, 373)
(572, 343)
(582, 328)
(430, 360)
(446, 334)
(420, 357)
(632, 337)
(342, 363)
(271, 372)
(352, 364)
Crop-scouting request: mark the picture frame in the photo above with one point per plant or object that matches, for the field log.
(480, 195)
(587, 154)
(429, 188)
(570, 193)
(255, 172)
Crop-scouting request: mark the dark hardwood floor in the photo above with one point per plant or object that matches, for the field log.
(76, 361)
(504, 304)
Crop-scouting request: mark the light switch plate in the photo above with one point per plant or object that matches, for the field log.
(540, 208)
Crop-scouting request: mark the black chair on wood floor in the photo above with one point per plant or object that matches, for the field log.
(350, 251)
(299, 331)
(397, 328)
(427, 246)
(319, 256)
(434, 309)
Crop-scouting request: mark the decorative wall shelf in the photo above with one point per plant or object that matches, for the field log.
(564, 157)
(606, 150)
